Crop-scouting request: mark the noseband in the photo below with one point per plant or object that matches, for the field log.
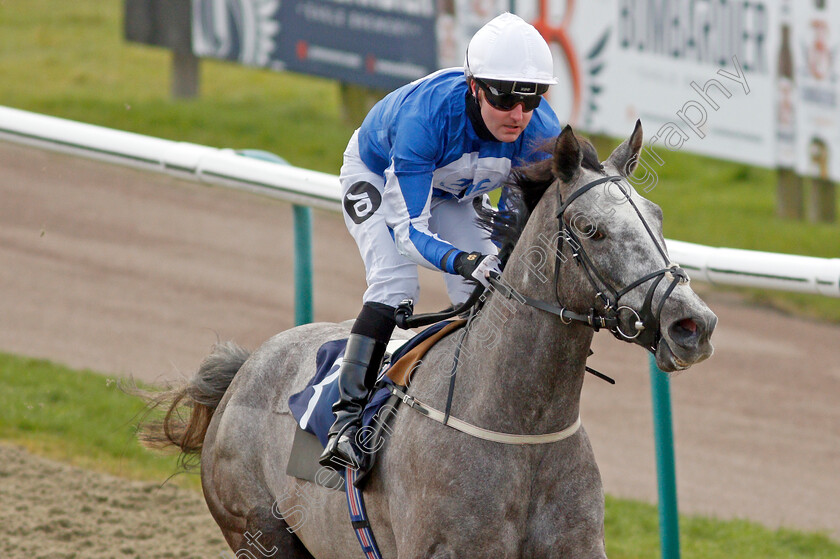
(646, 326)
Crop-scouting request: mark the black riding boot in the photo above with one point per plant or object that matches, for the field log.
(359, 369)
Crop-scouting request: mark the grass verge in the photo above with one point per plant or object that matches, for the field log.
(79, 417)
(83, 418)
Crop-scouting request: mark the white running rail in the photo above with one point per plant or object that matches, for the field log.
(311, 188)
(185, 160)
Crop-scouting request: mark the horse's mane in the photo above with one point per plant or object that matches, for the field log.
(523, 191)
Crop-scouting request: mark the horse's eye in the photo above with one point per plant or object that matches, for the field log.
(592, 233)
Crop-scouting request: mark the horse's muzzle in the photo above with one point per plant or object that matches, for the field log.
(686, 340)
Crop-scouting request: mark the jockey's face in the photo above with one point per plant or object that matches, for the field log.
(506, 126)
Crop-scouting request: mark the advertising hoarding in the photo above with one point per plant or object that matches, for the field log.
(752, 81)
(816, 46)
(378, 43)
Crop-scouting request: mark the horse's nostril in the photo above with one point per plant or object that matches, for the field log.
(685, 332)
(688, 325)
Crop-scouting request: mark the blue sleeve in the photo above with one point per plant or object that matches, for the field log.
(408, 193)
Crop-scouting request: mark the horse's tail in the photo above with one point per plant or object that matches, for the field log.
(186, 428)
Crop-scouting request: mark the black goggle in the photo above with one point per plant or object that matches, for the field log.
(528, 94)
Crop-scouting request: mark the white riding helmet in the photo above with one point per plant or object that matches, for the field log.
(508, 49)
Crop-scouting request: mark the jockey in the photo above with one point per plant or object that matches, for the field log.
(411, 173)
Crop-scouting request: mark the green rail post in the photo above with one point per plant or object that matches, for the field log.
(669, 524)
(303, 264)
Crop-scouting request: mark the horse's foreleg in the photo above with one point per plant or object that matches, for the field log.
(267, 536)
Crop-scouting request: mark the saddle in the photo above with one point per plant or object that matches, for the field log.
(312, 406)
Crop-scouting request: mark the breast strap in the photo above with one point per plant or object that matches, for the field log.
(479, 432)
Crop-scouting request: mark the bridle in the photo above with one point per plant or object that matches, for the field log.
(646, 326)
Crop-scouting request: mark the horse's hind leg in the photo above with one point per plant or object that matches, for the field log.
(267, 536)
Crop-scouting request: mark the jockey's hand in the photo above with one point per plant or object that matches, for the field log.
(475, 265)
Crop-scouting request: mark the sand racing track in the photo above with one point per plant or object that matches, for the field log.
(128, 272)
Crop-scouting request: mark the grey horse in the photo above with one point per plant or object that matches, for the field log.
(438, 493)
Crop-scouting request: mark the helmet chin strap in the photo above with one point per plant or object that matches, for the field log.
(477, 121)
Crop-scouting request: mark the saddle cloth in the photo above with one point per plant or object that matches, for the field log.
(312, 406)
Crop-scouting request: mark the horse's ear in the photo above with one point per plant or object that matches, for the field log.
(625, 157)
(567, 155)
